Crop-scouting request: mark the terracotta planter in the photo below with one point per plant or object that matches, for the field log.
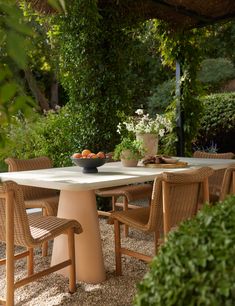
(150, 143)
(127, 160)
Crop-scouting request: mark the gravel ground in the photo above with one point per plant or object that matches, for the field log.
(116, 291)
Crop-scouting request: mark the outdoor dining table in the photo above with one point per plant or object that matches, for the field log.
(78, 201)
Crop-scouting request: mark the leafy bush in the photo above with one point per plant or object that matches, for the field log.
(196, 264)
(54, 135)
(218, 122)
(161, 98)
(216, 70)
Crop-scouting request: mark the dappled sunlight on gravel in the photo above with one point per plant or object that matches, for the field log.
(116, 291)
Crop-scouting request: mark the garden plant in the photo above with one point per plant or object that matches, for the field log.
(195, 266)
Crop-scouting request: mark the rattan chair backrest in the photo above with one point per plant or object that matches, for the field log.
(11, 193)
(228, 185)
(215, 181)
(201, 154)
(176, 197)
(15, 164)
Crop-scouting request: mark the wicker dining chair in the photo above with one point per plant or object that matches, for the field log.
(35, 197)
(127, 194)
(175, 198)
(202, 154)
(30, 230)
(228, 184)
(215, 181)
(122, 196)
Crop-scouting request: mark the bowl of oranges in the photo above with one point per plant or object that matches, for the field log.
(89, 161)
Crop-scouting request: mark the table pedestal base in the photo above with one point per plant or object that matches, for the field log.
(81, 205)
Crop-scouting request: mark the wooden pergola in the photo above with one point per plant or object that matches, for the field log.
(185, 14)
(179, 14)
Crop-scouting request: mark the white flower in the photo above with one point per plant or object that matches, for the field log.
(119, 128)
(161, 132)
(143, 124)
(139, 112)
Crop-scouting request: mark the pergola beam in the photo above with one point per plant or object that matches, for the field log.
(185, 12)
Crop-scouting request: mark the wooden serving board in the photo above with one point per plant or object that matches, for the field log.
(176, 165)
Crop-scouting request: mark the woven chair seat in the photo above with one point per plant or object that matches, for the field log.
(44, 228)
(132, 192)
(129, 193)
(136, 218)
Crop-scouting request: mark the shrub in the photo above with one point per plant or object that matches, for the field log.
(215, 71)
(218, 122)
(53, 135)
(19, 138)
(196, 264)
(161, 98)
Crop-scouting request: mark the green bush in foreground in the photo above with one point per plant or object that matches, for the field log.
(196, 264)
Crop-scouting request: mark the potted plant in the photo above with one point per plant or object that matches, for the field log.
(129, 152)
(146, 129)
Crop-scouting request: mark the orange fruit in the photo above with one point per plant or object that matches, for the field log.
(91, 155)
(86, 152)
(77, 155)
(100, 154)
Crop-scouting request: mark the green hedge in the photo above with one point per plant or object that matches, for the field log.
(218, 122)
(215, 71)
(196, 264)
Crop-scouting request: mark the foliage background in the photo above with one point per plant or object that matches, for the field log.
(106, 66)
(218, 122)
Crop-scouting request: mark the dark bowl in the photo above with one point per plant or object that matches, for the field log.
(89, 165)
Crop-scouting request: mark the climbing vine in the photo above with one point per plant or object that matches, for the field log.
(185, 47)
(94, 46)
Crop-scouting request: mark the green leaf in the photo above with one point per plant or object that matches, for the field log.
(7, 92)
(16, 47)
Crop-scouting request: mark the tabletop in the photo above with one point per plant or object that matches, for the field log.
(109, 175)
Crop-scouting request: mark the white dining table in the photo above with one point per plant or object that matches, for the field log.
(78, 201)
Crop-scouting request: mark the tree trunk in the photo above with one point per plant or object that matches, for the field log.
(54, 92)
(39, 96)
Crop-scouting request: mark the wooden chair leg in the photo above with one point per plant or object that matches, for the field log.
(10, 277)
(45, 244)
(114, 200)
(72, 271)
(117, 239)
(125, 207)
(10, 266)
(30, 261)
(45, 249)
